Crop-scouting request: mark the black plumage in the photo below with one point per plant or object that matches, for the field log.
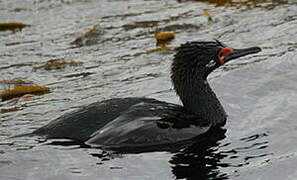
(145, 122)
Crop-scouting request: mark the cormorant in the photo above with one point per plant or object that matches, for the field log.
(139, 122)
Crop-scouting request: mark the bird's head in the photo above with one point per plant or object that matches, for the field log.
(193, 62)
(199, 59)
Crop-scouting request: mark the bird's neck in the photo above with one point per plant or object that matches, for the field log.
(198, 98)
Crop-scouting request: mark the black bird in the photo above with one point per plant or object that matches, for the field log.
(139, 122)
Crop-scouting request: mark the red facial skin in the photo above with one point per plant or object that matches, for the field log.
(223, 53)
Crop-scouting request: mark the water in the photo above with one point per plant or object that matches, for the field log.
(258, 91)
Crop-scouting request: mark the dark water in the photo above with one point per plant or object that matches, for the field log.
(259, 92)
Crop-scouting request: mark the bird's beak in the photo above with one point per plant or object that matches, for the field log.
(241, 52)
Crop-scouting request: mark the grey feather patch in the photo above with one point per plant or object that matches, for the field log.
(211, 64)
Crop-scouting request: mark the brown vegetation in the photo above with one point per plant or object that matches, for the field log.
(164, 36)
(12, 26)
(206, 13)
(19, 91)
(57, 64)
(234, 3)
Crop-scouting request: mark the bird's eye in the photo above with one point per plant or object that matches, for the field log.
(221, 54)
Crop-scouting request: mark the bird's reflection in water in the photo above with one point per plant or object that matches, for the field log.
(200, 160)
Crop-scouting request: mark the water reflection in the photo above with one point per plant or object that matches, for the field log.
(246, 3)
(201, 160)
(208, 156)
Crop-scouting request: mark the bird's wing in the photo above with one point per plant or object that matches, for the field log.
(81, 124)
(138, 128)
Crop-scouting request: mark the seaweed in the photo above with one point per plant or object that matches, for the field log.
(164, 38)
(19, 91)
(12, 26)
(234, 3)
(57, 64)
